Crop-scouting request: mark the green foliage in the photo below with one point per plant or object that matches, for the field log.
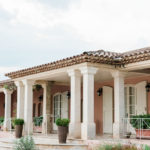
(146, 147)
(37, 87)
(62, 122)
(38, 121)
(143, 123)
(122, 147)
(1, 120)
(25, 143)
(18, 121)
(10, 86)
(117, 147)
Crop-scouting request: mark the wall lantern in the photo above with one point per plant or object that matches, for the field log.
(68, 94)
(99, 91)
(147, 87)
(41, 98)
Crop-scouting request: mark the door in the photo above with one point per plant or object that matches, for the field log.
(107, 109)
(130, 101)
(60, 107)
(135, 99)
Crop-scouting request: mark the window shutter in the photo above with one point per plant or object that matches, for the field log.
(141, 98)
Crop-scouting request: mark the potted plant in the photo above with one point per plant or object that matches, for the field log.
(62, 129)
(19, 127)
(38, 124)
(141, 123)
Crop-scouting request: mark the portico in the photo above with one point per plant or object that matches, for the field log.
(81, 81)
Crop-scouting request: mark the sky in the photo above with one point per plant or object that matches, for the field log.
(33, 32)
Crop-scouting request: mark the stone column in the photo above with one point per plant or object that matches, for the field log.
(88, 126)
(28, 106)
(7, 117)
(75, 124)
(20, 99)
(47, 121)
(119, 106)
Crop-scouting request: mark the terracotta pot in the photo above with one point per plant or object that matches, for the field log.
(143, 133)
(18, 131)
(62, 134)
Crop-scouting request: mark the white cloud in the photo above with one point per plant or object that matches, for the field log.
(4, 70)
(115, 25)
(31, 12)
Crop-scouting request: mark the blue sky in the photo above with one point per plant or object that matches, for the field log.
(34, 32)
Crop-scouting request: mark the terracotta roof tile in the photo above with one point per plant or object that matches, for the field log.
(2, 83)
(99, 56)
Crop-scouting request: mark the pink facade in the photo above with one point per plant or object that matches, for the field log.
(37, 102)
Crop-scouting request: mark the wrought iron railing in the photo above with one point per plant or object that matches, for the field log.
(136, 127)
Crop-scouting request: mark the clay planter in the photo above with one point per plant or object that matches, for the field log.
(143, 133)
(62, 134)
(18, 132)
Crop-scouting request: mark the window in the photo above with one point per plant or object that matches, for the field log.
(34, 107)
(130, 101)
(39, 109)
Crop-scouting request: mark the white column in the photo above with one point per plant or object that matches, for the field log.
(7, 117)
(20, 99)
(47, 122)
(75, 124)
(88, 126)
(119, 107)
(28, 106)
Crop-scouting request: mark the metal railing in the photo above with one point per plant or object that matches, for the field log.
(136, 128)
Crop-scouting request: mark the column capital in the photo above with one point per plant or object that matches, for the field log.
(73, 72)
(116, 73)
(19, 83)
(7, 91)
(28, 82)
(88, 70)
(45, 83)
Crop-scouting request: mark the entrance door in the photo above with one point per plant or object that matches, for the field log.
(60, 107)
(107, 109)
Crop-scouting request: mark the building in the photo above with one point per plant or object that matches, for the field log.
(95, 89)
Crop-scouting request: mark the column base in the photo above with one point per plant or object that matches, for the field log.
(117, 130)
(7, 125)
(46, 128)
(88, 131)
(75, 130)
(28, 128)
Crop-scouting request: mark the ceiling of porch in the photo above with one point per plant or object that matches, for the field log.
(101, 76)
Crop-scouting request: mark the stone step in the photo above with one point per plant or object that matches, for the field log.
(7, 144)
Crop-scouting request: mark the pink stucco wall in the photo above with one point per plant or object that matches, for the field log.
(2, 104)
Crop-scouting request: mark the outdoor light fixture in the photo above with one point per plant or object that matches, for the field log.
(147, 87)
(99, 91)
(68, 94)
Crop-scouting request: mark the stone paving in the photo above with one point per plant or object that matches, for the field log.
(51, 140)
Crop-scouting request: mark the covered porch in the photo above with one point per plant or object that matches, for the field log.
(94, 97)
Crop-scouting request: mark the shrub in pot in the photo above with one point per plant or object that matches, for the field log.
(19, 127)
(141, 123)
(62, 129)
